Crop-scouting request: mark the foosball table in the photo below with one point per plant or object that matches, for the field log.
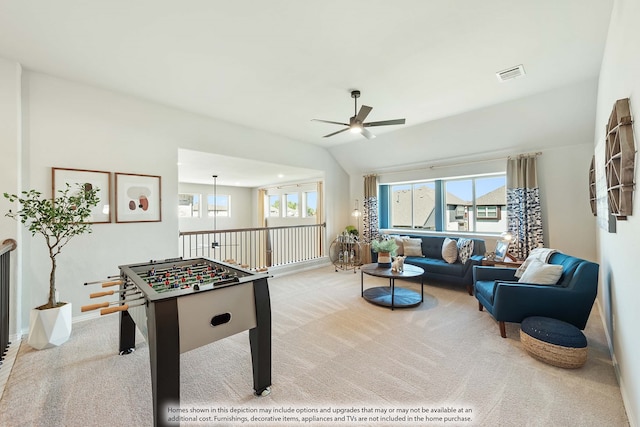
(179, 305)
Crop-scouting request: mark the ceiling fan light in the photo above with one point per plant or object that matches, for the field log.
(356, 128)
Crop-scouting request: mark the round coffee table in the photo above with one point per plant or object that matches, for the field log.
(392, 296)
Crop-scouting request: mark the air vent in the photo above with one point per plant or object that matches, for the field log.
(510, 73)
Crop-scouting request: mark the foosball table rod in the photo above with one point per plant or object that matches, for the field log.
(126, 292)
(101, 281)
(107, 305)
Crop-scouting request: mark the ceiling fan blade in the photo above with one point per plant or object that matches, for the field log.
(363, 113)
(335, 133)
(367, 134)
(328, 121)
(385, 123)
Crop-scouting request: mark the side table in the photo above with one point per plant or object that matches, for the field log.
(507, 262)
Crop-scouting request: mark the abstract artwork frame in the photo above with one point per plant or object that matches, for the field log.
(138, 198)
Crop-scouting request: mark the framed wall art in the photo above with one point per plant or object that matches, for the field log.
(138, 198)
(98, 180)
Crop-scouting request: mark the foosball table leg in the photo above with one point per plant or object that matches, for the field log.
(127, 333)
(164, 357)
(265, 392)
(260, 339)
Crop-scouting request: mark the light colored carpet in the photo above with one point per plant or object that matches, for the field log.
(330, 348)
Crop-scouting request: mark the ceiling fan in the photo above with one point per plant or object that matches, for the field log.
(356, 122)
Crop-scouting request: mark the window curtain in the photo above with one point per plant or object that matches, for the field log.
(320, 205)
(262, 213)
(524, 216)
(370, 209)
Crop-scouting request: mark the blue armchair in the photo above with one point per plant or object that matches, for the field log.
(570, 300)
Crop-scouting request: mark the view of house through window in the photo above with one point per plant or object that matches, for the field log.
(470, 204)
(188, 205)
(219, 206)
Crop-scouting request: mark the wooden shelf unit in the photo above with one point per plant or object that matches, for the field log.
(593, 196)
(620, 153)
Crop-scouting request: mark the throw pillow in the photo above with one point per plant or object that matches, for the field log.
(465, 249)
(412, 247)
(540, 273)
(449, 250)
(540, 254)
(400, 242)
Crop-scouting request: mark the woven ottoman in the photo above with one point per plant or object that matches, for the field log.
(554, 341)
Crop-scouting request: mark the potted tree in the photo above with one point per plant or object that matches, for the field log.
(58, 220)
(385, 248)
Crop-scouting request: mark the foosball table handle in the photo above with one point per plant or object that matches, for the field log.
(94, 306)
(113, 283)
(101, 294)
(114, 309)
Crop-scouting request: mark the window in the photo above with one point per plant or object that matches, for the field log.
(291, 201)
(487, 212)
(310, 204)
(458, 198)
(401, 205)
(274, 205)
(188, 205)
(295, 201)
(219, 206)
(470, 204)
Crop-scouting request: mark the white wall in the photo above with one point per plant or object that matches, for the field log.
(71, 125)
(10, 126)
(559, 123)
(619, 293)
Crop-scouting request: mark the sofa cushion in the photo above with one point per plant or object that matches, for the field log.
(412, 247)
(437, 266)
(465, 249)
(432, 246)
(449, 250)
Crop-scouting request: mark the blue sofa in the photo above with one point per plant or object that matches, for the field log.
(437, 269)
(570, 299)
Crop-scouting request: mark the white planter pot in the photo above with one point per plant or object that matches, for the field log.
(50, 327)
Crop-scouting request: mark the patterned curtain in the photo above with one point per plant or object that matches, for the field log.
(370, 208)
(524, 218)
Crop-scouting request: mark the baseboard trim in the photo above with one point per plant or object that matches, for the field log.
(616, 367)
(283, 270)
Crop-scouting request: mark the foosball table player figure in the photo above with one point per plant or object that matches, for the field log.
(179, 305)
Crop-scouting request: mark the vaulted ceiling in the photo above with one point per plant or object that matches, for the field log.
(275, 65)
